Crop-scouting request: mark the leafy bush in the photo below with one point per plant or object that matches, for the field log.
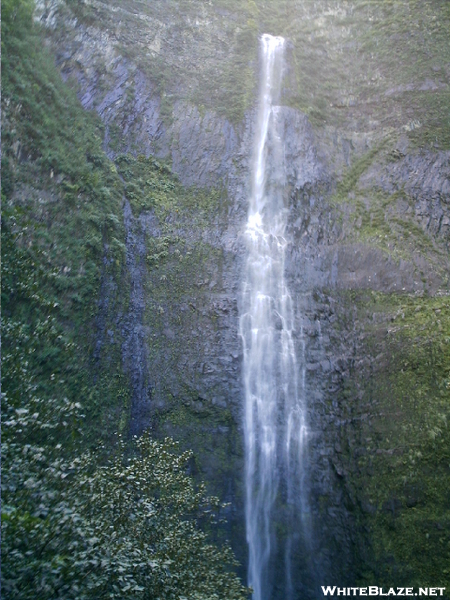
(73, 528)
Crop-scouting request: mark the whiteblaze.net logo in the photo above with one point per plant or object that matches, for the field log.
(374, 590)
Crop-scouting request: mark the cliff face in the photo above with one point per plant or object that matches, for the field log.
(367, 147)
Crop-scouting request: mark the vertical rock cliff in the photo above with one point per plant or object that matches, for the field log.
(366, 140)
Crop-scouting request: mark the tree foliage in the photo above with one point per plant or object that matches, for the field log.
(78, 521)
(127, 529)
(17, 15)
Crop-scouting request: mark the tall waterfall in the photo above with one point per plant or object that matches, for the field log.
(275, 426)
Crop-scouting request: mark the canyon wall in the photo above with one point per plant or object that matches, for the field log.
(366, 136)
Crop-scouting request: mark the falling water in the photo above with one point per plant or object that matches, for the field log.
(275, 429)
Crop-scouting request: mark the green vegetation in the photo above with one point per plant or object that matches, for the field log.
(75, 524)
(376, 222)
(350, 179)
(401, 453)
(78, 525)
(62, 225)
(358, 66)
(82, 518)
(150, 185)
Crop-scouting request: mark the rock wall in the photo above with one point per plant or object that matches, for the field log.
(368, 179)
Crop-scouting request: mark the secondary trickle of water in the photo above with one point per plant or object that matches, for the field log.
(275, 427)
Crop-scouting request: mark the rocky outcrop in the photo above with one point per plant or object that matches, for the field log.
(424, 179)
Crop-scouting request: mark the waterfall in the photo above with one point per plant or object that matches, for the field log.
(275, 426)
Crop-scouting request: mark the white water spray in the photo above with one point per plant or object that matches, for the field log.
(275, 428)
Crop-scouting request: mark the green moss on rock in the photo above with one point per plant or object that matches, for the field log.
(399, 455)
